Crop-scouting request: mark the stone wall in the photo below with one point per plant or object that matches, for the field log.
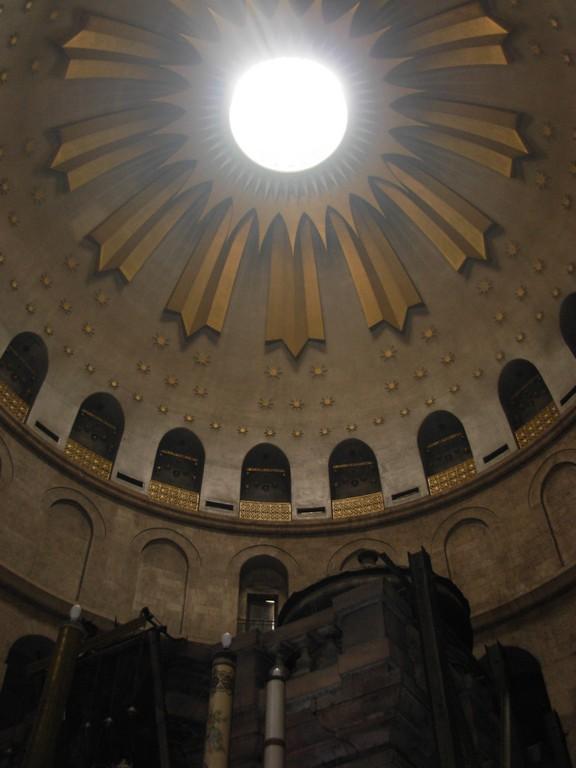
(507, 539)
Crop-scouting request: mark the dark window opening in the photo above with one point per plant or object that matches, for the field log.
(262, 612)
(523, 393)
(266, 476)
(353, 471)
(99, 425)
(24, 365)
(443, 443)
(568, 322)
(180, 460)
(263, 589)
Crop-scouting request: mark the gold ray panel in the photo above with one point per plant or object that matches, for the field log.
(91, 166)
(109, 37)
(98, 69)
(481, 56)
(497, 126)
(200, 173)
(498, 159)
(123, 236)
(294, 307)
(382, 284)
(465, 25)
(454, 226)
(89, 135)
(204, 290)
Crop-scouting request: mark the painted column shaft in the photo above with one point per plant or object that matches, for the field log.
(275, 732)
(217, 744)
(42, 744)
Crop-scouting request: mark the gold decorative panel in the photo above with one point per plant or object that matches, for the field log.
(172, 496)
(536, 426)
(452, 478)
(88, 460)
(280, 512)
(13, 404)
(358, 506)
(242, 210)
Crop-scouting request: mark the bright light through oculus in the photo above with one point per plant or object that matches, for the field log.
(288, 114)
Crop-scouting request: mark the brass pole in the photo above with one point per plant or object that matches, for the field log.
(41, 748)
(218, 727)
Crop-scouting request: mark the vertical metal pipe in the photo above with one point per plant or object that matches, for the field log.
(40, 752)
(218, 727)
(275, 733)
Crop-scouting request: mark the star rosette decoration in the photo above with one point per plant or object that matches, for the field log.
(176, 122)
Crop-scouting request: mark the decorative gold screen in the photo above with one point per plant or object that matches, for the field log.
(358, 506)
(172, 496)
(452, 478)
(13, 404)
(280, 512)
(536, 426)
(88, 460)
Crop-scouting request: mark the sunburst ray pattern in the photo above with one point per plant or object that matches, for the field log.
(180, 126)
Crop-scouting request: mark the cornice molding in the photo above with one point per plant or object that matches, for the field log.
(296, 528)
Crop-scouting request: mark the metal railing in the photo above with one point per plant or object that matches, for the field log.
(247, 625)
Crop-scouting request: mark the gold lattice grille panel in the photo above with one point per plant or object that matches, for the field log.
(537, 426)
(452, 478)
(13, 404)
(88, 460)
(358, 506)
(172, 496)
(280, 512)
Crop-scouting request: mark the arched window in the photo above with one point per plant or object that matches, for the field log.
(61, 559)
(568, 321)
(21, 690)
(96, 434)
(263, 592)
(355, 486)
(526, 401)
(266, 492)
(23, 368)
(162, 583)
(445, 452)
(178, 470)
(536, 730)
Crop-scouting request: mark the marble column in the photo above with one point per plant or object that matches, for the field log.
(275, 733)
(217, 743)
